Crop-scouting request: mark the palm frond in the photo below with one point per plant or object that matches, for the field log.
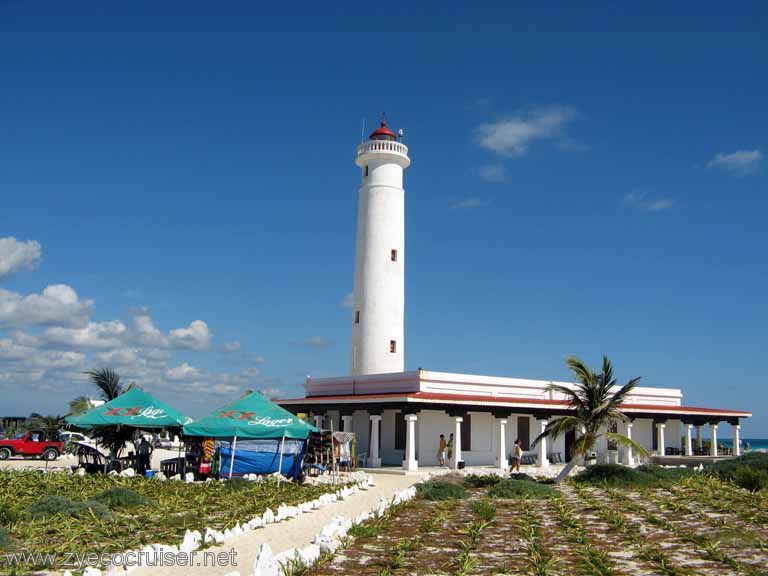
(108, 383)
(557, 427)
(627, 442)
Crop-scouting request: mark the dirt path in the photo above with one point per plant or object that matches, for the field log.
(294, 533)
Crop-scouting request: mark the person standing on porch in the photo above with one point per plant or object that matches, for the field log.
(517, 456)
(441, 450)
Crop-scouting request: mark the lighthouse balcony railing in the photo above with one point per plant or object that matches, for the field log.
(386, 146)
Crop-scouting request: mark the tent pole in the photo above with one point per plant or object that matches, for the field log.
(333, 457)
(232, 455)
(280, 463)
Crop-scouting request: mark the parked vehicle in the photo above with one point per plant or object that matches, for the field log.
(32, 444)
(68, 437)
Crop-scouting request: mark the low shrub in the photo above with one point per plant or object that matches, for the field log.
(618, 476)
(8, 515)
(484, 509)
(441, 490)
(50, 505)
(521, 489)
(121, 497)
(237, 484)
(482, 480)
(5, 539)
(752, 479)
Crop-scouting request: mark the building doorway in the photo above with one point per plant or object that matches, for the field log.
(524, 431)
(570, 441)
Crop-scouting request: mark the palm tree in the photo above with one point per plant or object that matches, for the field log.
(596, 406)
(110, 387)
(79, 405)
(50, 425)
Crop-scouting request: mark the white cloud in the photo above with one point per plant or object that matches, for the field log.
(640, 200)
(231, 346)
(147, 333)
(258, 360)
(58, 304)
(95, 335)
(196, 336)
(317, 342)
(741, 161)
(348, 301)
(513, 136)
(493, 173)
(120, 357)
(15, 255)
(467, 203)
(183, 372)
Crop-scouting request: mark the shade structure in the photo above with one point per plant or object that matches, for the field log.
(253, 416)
(134, 408)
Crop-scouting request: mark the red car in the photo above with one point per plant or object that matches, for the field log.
(35, 443)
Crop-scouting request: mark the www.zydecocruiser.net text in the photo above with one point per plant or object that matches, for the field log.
(78, 560)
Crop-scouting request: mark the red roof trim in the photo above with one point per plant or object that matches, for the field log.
(507, 400)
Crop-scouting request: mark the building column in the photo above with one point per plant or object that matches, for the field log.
(501, 457)
(630, 455)
(410, 462)
(541, 458)
(699, 439)
(688, 440)
(660, 441)
(346, 422)
(374, 460)
(713, 438)
(456, 458)
(736, 440)
(318, 421)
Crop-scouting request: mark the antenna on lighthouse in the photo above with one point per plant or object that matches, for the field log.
(362, 130)
(400, 134)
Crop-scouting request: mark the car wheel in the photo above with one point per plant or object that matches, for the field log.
(5, 453)
(50, 454)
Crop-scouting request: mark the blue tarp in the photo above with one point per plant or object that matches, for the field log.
(263, 457)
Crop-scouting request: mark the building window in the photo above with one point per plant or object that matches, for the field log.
(393, 255)
(357, 316)
(466, 433)
(366, 171)
(392, 346)
(399, 431)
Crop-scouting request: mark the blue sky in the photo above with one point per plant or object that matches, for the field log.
(180, 183)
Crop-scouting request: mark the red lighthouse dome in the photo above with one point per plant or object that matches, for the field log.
(382, 132)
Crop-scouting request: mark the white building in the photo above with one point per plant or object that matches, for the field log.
(399, 416)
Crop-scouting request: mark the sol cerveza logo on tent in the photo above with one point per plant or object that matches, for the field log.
(254, 420)
(149, 412)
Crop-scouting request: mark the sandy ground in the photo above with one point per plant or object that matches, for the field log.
(294, 533)
(66, 460)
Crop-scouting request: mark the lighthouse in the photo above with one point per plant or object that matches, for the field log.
(378, 315)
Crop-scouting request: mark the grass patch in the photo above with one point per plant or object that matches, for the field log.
(521, 489)
(8, 515)
(51, 505)
(749, 471)
(618, 476)
(484, 509)
(441, 490)
(482, 480)
(121, 497)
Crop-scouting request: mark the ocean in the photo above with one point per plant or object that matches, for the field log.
(754, 443)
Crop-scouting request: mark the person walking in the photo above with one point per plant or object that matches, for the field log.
(517, 456)
(144, 452)
(441, 451)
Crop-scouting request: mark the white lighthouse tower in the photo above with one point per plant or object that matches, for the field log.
(379, 312)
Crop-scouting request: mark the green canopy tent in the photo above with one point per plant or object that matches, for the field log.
(132, 409)
(253, 417)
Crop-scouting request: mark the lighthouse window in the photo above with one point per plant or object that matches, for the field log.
(393, 255)
(392, 346)
(366, 170)
(357, 316)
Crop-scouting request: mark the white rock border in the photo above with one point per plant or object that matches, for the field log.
(193, 539)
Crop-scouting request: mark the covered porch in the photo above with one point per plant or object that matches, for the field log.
(403, 430)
